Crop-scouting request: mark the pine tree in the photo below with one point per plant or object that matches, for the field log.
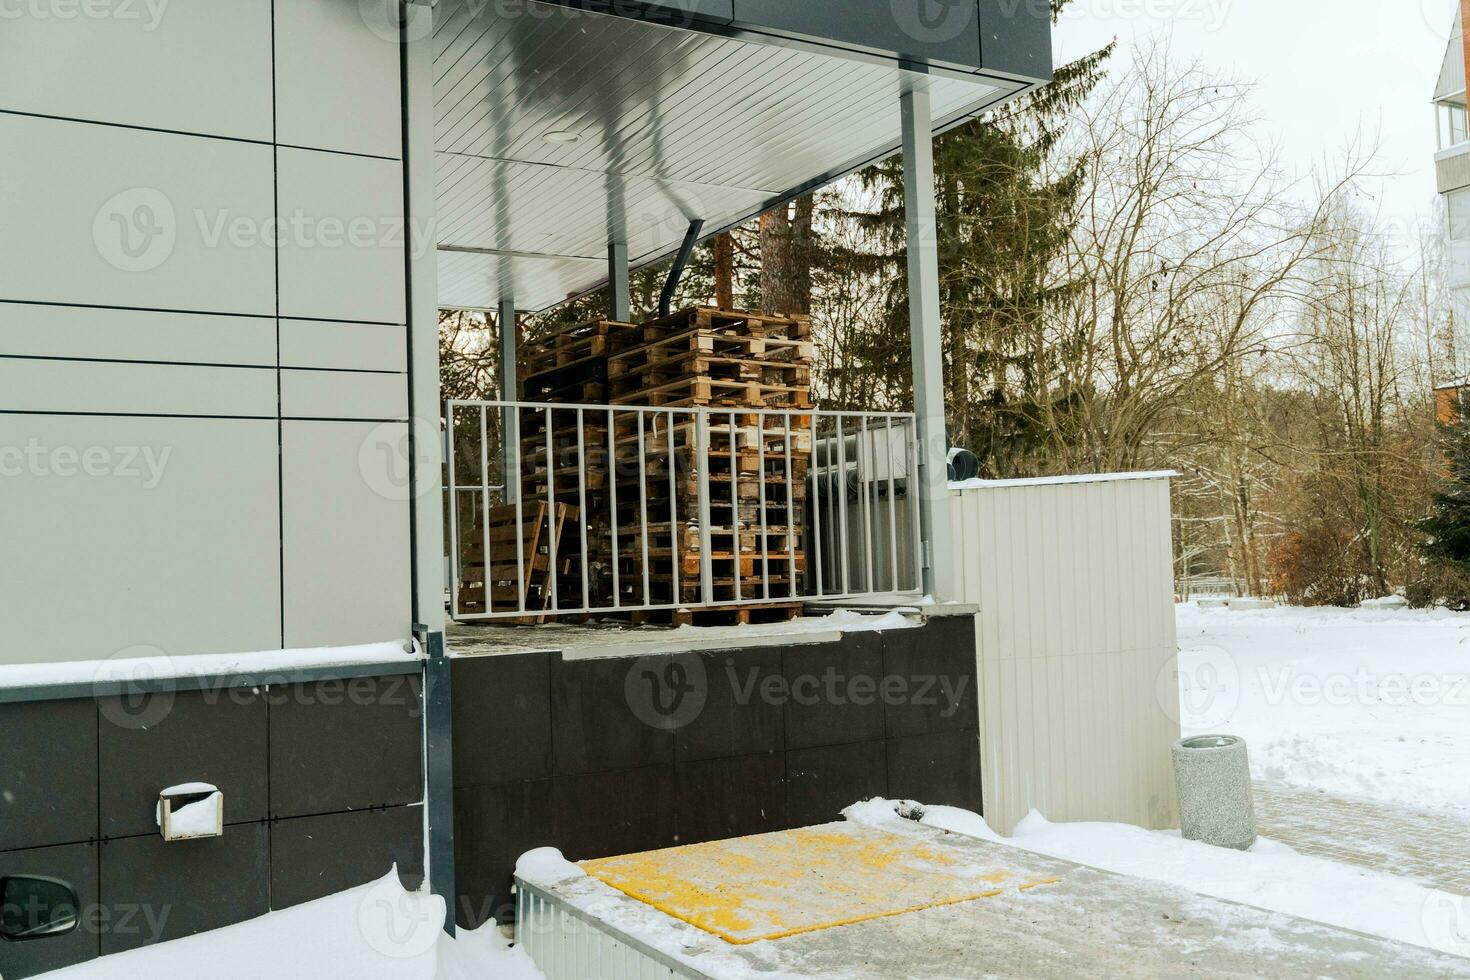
(1446, 544)
(1003, 219)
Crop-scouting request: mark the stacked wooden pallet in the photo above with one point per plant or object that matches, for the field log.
(648, 505)
(735, 364)
(703, 356)
(570, 367)
(493, 577)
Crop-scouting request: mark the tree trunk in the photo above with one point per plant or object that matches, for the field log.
(725, 271)
(786, 272)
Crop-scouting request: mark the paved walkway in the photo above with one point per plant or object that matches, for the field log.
(1431, 846)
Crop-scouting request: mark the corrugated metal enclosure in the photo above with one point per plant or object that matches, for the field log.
(1079, 701)
(568, 944)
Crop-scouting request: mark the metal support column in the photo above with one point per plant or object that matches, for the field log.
(924, 336)
(439, 771)
(620, 301)
(426, 455)
(509, 391)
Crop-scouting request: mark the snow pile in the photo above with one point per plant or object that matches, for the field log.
(195, 819)
(1059, 481)
(841, 621)
(546, 866)
(377, 930)
(1270, 875)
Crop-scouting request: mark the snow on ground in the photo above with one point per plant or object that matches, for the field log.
(377, 930)
(1360, 702)
(1268, 876)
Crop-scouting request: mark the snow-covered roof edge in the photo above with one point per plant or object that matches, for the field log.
(81, 678)
(1052, 481)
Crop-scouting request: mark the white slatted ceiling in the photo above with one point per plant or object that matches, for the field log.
(674, 125)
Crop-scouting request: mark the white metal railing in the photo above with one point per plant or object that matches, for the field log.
(566, 509)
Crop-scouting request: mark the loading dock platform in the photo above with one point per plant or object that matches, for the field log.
(852, 900)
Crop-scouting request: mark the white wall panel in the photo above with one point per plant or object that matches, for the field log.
(1074, 585)
(122, 532)
(342, 242)
(337, 79)
(108, 216)
(344, 346)
(346, 552)
(36, 330)
(201, 66)
(29, 385)
(343, 395)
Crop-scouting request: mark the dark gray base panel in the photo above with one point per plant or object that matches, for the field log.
(322, 784)
(575, 753)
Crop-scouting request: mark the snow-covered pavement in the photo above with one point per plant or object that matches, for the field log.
(1359, 702)
(1428, 845)
(376, 931)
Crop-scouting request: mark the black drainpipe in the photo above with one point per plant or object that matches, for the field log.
(691, 238)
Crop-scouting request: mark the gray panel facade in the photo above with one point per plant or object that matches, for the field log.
(204, 236)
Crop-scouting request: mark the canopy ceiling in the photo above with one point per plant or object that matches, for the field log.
(559, 130)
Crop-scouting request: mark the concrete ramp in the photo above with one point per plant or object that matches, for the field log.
(904, 900)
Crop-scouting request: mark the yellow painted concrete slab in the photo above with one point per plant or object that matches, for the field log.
(798, 881)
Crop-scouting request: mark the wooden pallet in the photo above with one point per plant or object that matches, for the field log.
(744, 370)
(565, 347)
(724, 321)
(507, 584)
(781, 612)
(750, 432)
(731, 615)
(716, 392)
(660, 348)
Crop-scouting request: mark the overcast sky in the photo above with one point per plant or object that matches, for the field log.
(1326, 69)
